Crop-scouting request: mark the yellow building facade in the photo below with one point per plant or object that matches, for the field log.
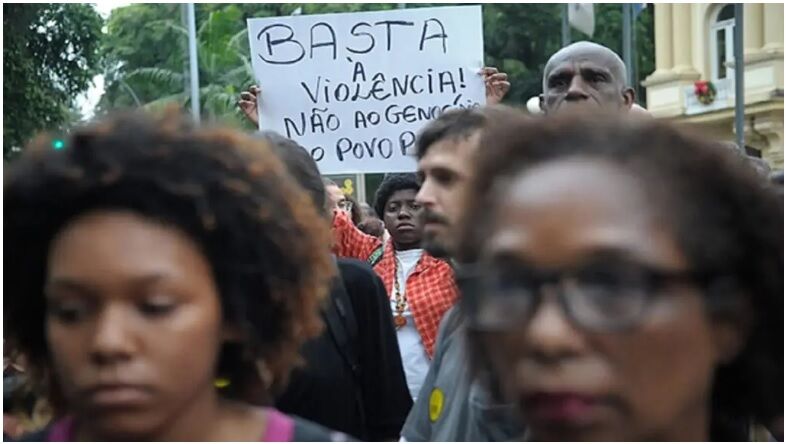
(696, 42)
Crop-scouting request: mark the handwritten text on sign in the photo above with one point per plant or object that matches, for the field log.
(355, 88)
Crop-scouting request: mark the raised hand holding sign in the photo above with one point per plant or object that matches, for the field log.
(355, 88)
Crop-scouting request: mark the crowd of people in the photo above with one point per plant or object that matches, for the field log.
(588, 274)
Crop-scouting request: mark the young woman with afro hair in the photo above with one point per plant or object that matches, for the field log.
(155, 272)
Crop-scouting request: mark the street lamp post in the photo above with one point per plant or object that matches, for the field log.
(193, 64)
(739, 78)
(627, 41)
(565, 26)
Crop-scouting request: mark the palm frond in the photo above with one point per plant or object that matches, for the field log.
(161, 103)
(237, 38)
(159, 76)
(168, 24)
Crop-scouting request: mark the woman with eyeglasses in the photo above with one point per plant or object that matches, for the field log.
(625, 282)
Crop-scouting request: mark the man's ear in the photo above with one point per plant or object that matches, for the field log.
(628, 97)
(541, 103)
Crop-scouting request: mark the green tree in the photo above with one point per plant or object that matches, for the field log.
(139, 77)
(50, 55)
(130, 42)
(223, 67)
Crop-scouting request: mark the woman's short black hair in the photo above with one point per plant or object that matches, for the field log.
(390, 184)
(258, 230)
(726, 218)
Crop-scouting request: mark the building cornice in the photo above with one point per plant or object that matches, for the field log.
(669, 77)
(727, 114)
(759, 56)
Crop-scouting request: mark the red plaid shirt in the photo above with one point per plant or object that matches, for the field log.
(431, 288)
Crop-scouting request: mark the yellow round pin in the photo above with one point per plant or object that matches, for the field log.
(435, 403)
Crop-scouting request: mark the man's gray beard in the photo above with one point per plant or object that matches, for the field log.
(436, 248)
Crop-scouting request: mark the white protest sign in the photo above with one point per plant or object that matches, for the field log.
(356, 88)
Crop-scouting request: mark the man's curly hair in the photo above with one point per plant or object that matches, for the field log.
(259, 231)
(390, 184)
(726, 218)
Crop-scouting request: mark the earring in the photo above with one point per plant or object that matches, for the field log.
(222, 382)
(264, 373)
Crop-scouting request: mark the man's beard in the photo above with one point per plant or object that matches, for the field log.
(431, 241)
(434, 247)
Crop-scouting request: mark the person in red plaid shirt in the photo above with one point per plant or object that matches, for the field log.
(421, 287)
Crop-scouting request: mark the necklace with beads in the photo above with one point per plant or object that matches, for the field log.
(399, 320)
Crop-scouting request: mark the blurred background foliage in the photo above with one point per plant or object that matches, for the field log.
(53, 50)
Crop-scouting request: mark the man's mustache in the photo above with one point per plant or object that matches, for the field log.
(430, 216)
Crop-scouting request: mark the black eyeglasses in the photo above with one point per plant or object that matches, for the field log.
(601, 297)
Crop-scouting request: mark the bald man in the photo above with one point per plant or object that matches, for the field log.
(585, 76)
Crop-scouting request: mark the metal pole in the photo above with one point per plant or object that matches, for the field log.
(565, 26)
(739, 78)
(627, 45)
(361, 187)
(192, 61)
(184, 47)
(634, 57)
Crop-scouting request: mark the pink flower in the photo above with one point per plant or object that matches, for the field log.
(701, 87)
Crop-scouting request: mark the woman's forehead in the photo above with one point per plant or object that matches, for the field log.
(404, 195)
(569, 177)
(572, 207)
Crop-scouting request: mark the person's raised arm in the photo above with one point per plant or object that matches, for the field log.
(248, 104)
(349, 241)
(497, 84)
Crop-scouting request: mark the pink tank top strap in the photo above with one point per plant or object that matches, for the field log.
(280, 427)
(62, 431)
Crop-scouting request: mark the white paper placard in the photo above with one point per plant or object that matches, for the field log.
(356, 88)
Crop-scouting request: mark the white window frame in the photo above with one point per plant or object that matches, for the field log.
(715, 27)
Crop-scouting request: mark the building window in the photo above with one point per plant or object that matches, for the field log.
(722, 42)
